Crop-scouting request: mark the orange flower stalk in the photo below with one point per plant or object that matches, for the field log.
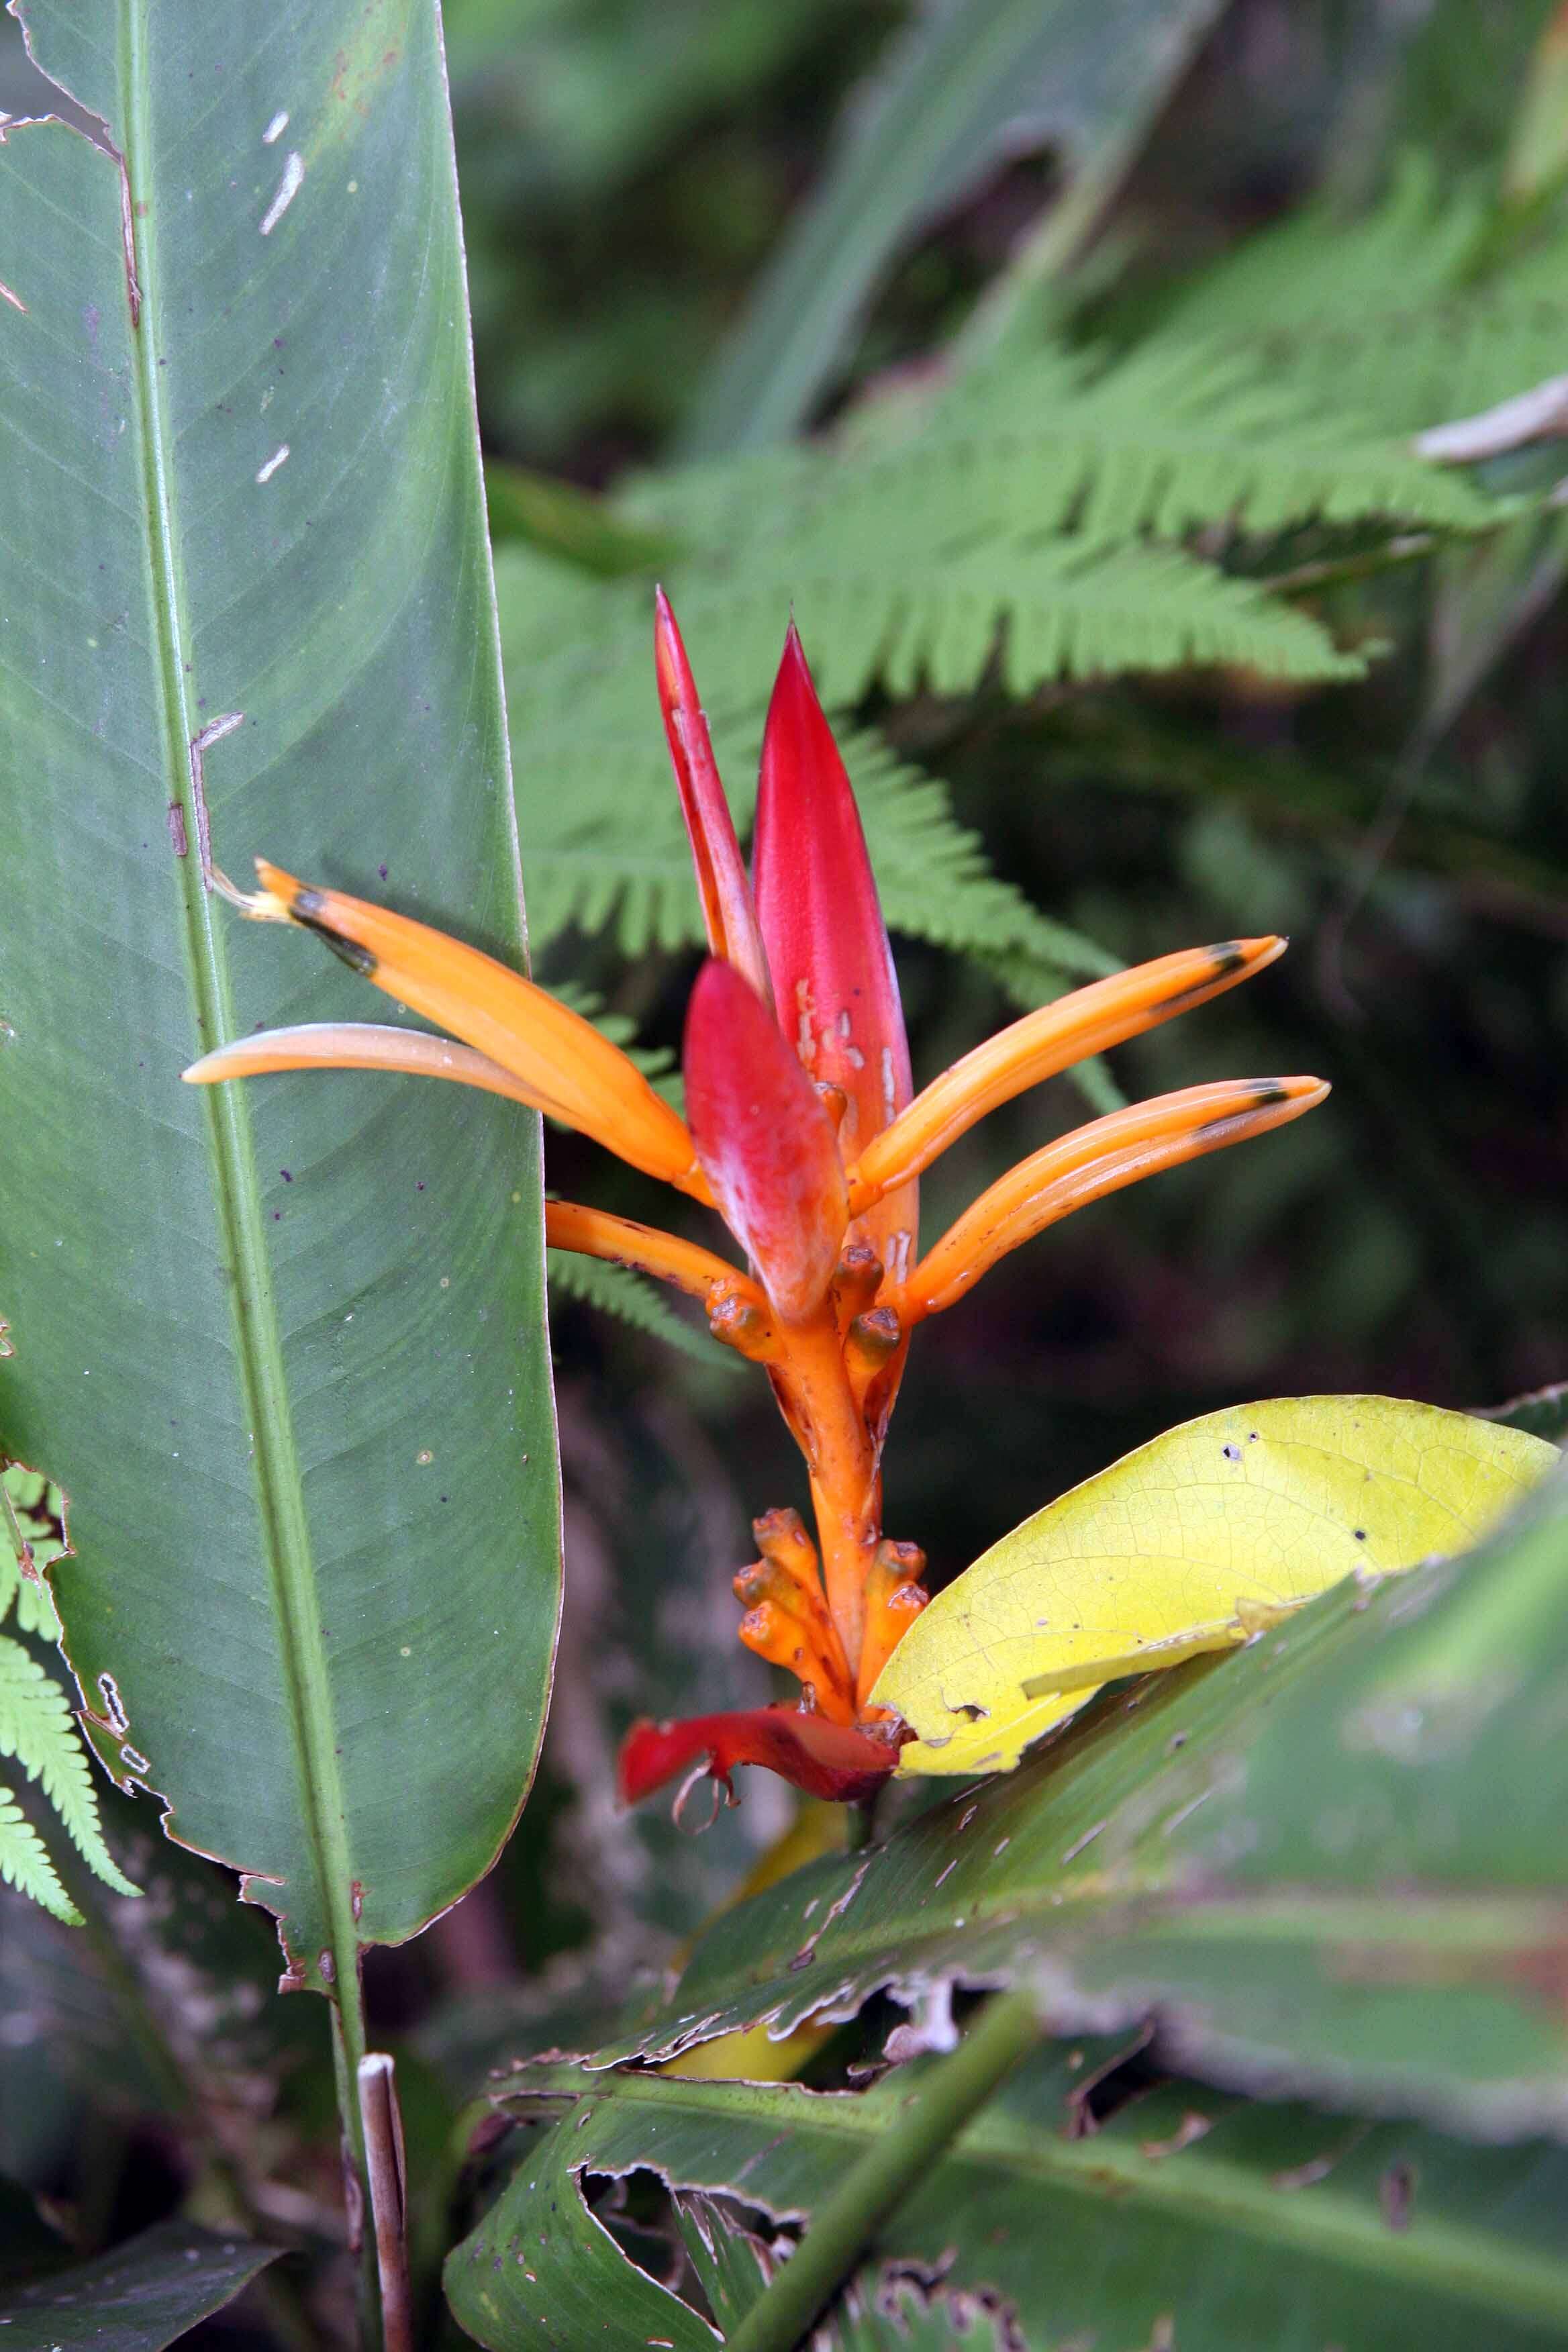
(805, 1133)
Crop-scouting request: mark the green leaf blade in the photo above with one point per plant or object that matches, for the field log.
(958, 90)
(1232, 2224)
(1330, 1864)
(138, 2297)
(284, 1347)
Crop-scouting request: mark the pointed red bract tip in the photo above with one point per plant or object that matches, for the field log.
(728, 918)
(826, 1760)
(826, 944)
(764, 1141)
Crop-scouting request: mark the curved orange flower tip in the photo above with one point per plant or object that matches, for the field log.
(565, 1067)
(356, 1045)
(1095, 1160)
(826, 1760)
(729, 917)
(834, 983)
(764, 1141)
(1089, 1021)
(621, 1241)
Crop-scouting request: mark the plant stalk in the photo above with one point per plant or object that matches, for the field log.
(348, 2050)
(386, 2180)
(878, 2182)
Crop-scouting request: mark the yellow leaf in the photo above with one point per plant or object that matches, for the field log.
(1191, 1544)
(751, 2056)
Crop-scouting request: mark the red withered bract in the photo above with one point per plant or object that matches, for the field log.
(823, 1758)
(764, 1140)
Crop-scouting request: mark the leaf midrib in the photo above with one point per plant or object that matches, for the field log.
(1443, 2255)
(259, 1341)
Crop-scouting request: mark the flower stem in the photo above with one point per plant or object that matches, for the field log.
(847, 2219)
(846, 1491)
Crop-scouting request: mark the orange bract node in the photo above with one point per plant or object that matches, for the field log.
(787, 1619)
(894, 1599)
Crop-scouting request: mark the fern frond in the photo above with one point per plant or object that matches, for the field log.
(26, 1866)
(1320, 265)
(31, 1541)
(37, 1727)
(1184, 431)
(601, 827)
(1021, 528)
(616, 1290)
(1388, 318)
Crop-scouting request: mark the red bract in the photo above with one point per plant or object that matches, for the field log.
(764, 1141)
(729, 917)
(803, 1135)
(823, 1758)
(834, 983)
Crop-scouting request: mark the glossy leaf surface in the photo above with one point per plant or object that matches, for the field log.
(1331, 1861)
(1163, 1554)
(1190, 2216)
(280, 1343)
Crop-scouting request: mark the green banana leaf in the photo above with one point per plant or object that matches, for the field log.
(1188, 2217)
(283, 1347)
(147, 2292)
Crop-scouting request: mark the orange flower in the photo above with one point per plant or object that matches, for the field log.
(805, 1133)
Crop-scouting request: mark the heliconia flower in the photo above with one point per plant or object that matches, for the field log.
(804, 1132)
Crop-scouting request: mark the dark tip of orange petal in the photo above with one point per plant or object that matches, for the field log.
(764, 1141)
(826, 1760)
